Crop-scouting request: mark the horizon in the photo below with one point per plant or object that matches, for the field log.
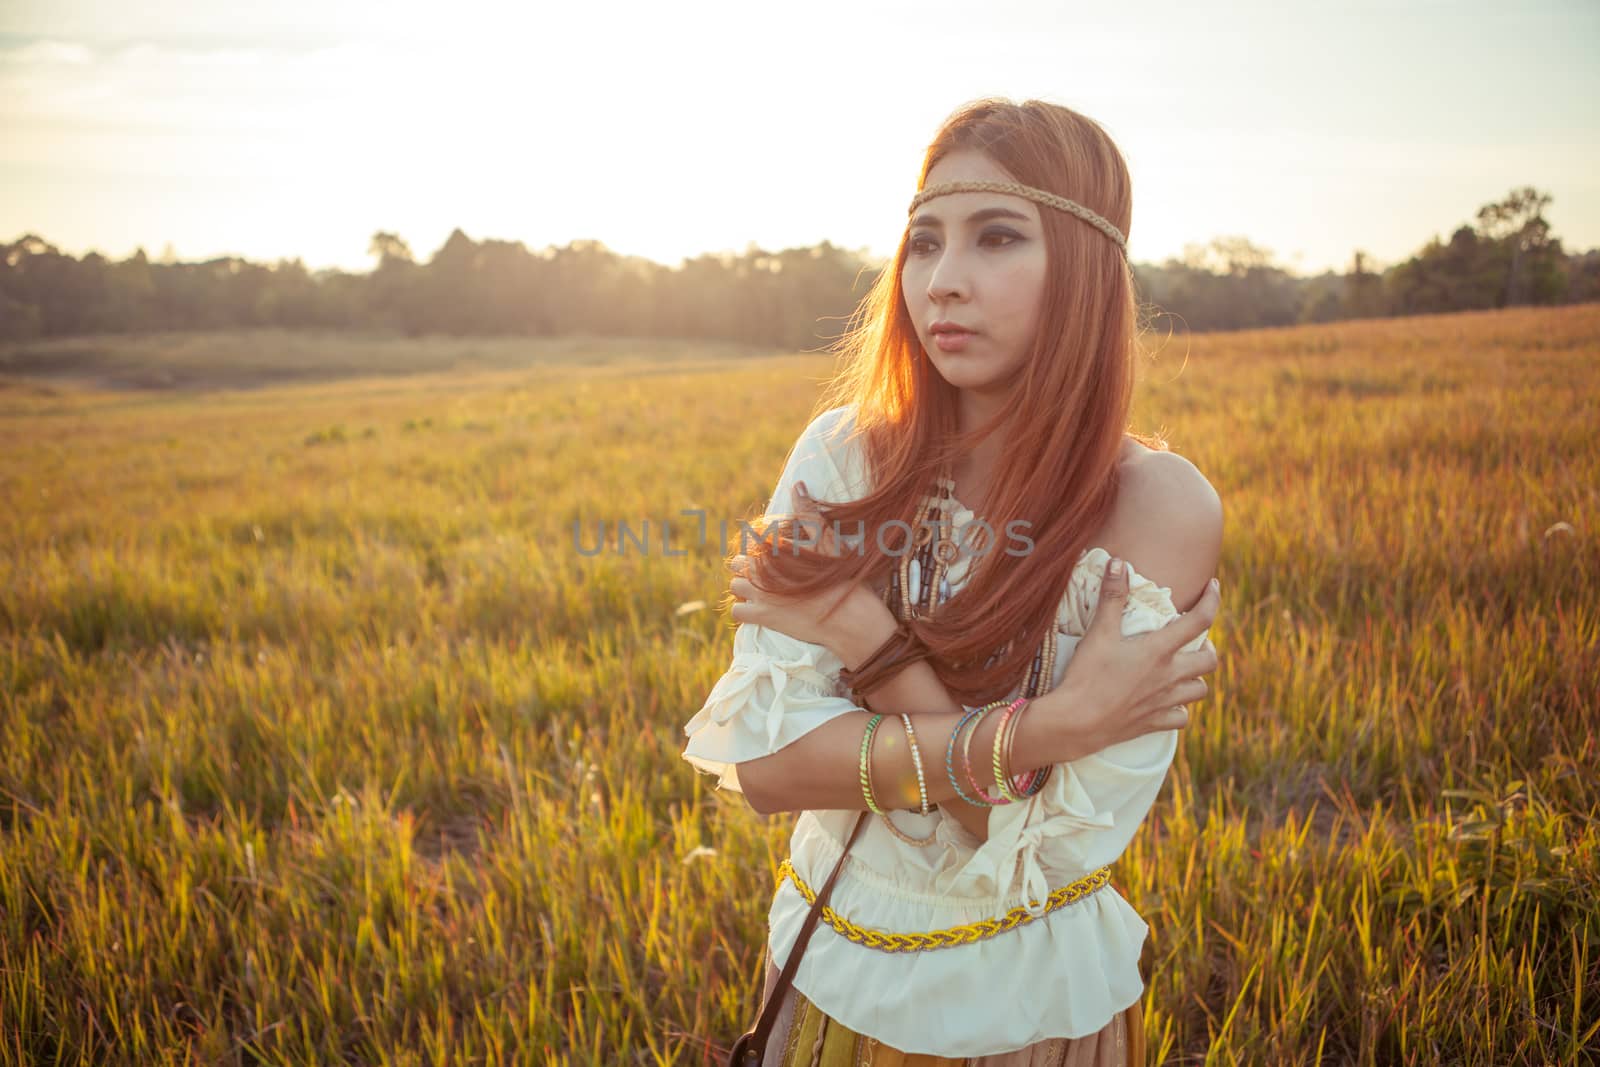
(219, 134)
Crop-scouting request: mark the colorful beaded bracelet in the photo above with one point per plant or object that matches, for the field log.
(950, 758)
(966, 756)
(866, 780)
(1002, 749)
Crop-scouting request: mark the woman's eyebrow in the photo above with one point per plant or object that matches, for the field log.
(976, 216)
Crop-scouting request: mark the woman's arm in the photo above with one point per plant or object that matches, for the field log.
(1115, 688)
(820, 770)
(915, 689)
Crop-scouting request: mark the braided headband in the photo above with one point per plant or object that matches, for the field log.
(1039, 195)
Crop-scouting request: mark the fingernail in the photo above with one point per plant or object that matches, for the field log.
(801, 488)
(1215, 584)
(1114, 568)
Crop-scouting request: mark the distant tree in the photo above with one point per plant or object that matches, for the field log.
(1460, 274)
(1583, 276)
(133, 289)
(1233, 255)
(1517, 225)
(391, 294)
(1363, 293)
(1226, 283)
(390, 248)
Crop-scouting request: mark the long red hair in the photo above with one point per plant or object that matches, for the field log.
(1064, 421)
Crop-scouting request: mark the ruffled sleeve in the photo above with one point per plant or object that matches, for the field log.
(1091, 807)
(777, 688)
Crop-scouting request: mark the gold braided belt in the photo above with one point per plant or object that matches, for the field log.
(955, 935)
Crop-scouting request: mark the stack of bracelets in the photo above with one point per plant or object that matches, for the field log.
(915, 588)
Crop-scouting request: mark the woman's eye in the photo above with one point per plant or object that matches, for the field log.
(920, 246)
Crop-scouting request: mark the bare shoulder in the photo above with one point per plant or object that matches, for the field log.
(1169, 522)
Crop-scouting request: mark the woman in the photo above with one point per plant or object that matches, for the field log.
(989, 374)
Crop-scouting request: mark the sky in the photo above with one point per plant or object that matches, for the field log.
(300, 129)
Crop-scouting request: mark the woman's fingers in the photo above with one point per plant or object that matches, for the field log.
(1185, 692)
(1193, 664)
(812, 530)
(1197, 620)
(1113, 597)
(1174, 718)
(806, 512)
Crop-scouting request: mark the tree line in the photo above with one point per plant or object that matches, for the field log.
(797, 298)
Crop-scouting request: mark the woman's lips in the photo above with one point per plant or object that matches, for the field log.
(951, 340)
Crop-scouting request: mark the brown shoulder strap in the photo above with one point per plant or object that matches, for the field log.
(769, 1011)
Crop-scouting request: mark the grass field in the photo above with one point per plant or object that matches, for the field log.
(322, 742)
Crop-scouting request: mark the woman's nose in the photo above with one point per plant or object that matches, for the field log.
(946, 282)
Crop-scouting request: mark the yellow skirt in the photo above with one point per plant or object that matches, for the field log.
(805, 1037)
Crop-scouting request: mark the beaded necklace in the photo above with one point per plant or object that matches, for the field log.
(919, 585)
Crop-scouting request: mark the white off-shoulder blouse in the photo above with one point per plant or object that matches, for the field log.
(1065, 974)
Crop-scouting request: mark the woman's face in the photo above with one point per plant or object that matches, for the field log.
(976, 260)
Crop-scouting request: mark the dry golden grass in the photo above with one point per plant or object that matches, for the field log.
(322, 742)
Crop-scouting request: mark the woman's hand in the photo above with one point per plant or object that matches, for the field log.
(813, 618)
(1117, 688)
